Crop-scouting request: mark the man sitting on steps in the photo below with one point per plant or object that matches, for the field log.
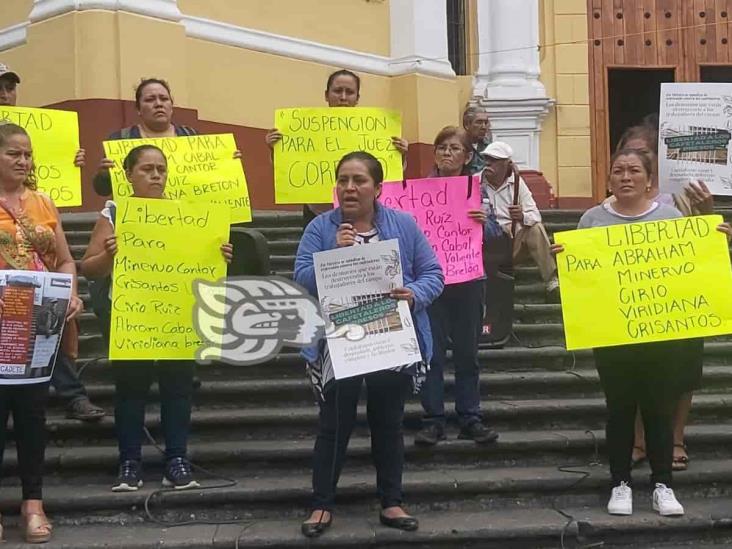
(522, 220)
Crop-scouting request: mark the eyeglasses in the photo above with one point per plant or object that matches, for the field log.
(453, 149)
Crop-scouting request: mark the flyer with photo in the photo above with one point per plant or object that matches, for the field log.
(32, 320)
(354, 285)
(695, 129)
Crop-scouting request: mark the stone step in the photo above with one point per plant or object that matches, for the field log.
(513, 448)
(288, 363)
(270, 494)
(276, 421)
(222, 387)
(700, 528)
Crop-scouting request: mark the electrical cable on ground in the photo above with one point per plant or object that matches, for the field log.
(228, 483)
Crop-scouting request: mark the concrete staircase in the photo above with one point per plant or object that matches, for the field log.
(543, 485)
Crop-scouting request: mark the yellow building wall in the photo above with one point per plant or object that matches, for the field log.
(565, 139)
(74, 52)
(354, 24)
(13, 12)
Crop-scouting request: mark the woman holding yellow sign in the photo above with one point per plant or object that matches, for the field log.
(31, 239)
(154, 103)
(343, 89)
(147, 171)
(694, 200)
(638, 376)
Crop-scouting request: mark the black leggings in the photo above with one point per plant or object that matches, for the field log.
(639, 376)
(386, 391)
(27, 403)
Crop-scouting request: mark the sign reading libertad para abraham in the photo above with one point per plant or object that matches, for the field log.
(315, 139)
(644, 282)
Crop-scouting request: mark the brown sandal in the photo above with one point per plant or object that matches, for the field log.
(37, 528)
(680, 463)
(634, 462)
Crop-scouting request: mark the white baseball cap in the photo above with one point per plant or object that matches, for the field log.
(5, 71)
(498, 149)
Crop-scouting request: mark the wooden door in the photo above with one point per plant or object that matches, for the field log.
(683, 35)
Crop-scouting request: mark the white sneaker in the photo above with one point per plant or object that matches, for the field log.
(552, 285)
(665, 502)
(621, 500)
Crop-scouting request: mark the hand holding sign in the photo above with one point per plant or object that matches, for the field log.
(658, 281)
(309, 142)
(204, 168)
(55, 138)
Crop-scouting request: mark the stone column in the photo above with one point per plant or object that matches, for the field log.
(419, 38)
(507, 81)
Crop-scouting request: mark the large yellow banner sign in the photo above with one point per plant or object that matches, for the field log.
(55, 140)
(162, 247)
(644, 282)
(315, 139)
(200, 168)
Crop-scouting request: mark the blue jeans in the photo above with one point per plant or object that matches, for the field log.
(65, 381)
(455, 316)
(132, 384)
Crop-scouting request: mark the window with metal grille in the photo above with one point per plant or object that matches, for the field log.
(456, 35)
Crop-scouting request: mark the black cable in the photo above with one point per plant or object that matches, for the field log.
(571, 469)
(228, 483)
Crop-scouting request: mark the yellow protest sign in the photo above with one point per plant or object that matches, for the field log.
(162, 247)
(644, 282)
(55, 139)
(200, 168)
(315, 139)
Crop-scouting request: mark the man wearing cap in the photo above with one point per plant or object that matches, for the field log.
(478, 126)
(67, 384)
(8, 82)
(521, 220)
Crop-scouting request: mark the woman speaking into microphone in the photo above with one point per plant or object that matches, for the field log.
(360, 219)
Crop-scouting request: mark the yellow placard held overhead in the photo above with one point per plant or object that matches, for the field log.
(315, 139)
(200, 168)
(644, 282)
(55, 140)
(162, 247)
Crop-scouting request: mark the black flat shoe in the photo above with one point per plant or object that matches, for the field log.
(401, 523)
(315, 529)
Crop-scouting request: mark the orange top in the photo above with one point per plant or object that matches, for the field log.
(39, 221)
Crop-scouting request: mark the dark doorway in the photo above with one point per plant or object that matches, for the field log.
(633, 94)
(456, 35)
(716, 73)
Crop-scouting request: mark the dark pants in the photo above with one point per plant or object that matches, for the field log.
(634, 376)
(132, 381)
(386, 392)
(65, 380)
(27, 403)
(457, 316)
